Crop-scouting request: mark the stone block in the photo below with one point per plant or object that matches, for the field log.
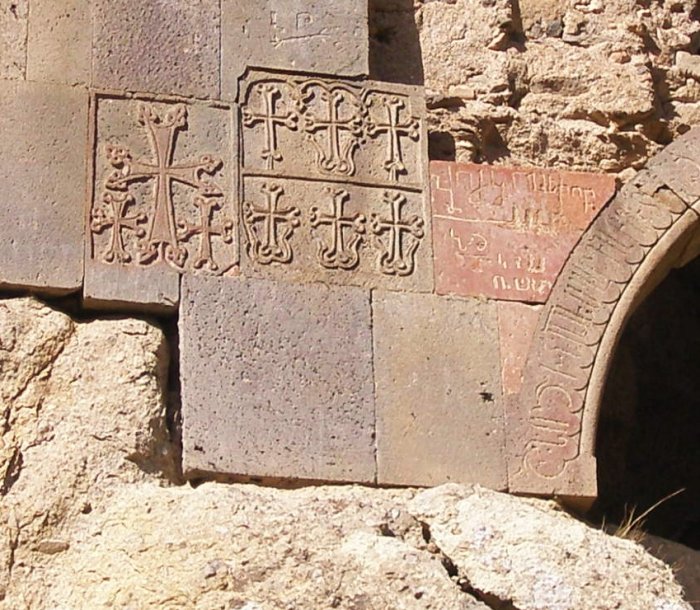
(59, 44)
(163, 201)
(159, 47)
(439, 407)
(333, 181)
(43, 175)
(505, 233)
(276, 380)
(13, 38)
(305, 35)
(516, 327)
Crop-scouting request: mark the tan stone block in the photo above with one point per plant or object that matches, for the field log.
(13, 38)
(158, 47)
(517, 323)
(43, 175)
(164, 198)
(305, 35)
(506, 232)
(276, 380)
(334, 181)
(439, 405)
(59, 45)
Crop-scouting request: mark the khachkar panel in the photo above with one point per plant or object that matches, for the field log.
(504, 232)
(163, 198)
(333, 181)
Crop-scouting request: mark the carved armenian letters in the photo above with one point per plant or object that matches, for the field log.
(545, 422)
(506, 232)
(332, 180)
(161, 195)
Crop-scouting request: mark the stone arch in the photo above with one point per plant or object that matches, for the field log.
(651, 226)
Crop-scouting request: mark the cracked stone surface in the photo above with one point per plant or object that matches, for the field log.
(84, 525)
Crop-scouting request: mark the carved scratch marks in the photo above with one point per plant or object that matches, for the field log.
(162, 195)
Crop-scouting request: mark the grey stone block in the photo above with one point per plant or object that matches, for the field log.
(59, 45)
(305, 35)
(159, 47)
(439, 405)
(276, 380)
(164, 199)
(13, 38)
(43, 176)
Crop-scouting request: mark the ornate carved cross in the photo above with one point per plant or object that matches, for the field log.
(395, 130)
(397, 258)
(270, 94)
(206, 230)
(117, 221)
(271, 244)
(339, 254)
(161, 233)
(336, 156)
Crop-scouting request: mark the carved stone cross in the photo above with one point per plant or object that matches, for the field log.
(337, 154)
(342, 252)
(270, 243)
(395, 130)
(206, 230)
(270, 94)
(161, 239)
(117, 221)
(397, 257)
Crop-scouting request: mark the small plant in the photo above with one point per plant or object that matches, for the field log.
(632, 525)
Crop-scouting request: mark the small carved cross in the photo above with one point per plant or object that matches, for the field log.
(337, 155)
(118, 221)
(395, 129)
(397, 258)
(270, 94)
(206, 230)
(271, 244)
(339, 254)
(161, 237)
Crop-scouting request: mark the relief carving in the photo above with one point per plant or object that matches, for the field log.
(403, 237)
(342, 252)
(270, 228)
(156, 233)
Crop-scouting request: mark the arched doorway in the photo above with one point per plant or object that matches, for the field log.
(649, 228)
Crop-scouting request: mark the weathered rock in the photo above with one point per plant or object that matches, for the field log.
(560, 563)
(82, 408)
(13, 38)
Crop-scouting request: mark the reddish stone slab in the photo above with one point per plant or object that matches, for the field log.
(505, 233)
(516, 327)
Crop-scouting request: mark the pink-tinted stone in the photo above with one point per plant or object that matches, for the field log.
(506, 232)
(516, 327)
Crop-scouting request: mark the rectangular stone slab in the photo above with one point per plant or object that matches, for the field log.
(43, 159)
(439, 406)
(164, 198)
(504, 232)
(305, 35)
(334, 181)
(276, 380)
(168, 47)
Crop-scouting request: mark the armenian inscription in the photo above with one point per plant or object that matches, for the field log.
(506, 232)
(332, 174)
(545, 426)
(160, 196)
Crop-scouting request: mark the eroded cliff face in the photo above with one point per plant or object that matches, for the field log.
(579, 84)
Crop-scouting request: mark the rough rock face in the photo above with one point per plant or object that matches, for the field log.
(88, 519)
(583, 84)
(81, 410)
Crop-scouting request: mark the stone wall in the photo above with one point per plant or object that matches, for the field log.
(295, 182)
(580, 84)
